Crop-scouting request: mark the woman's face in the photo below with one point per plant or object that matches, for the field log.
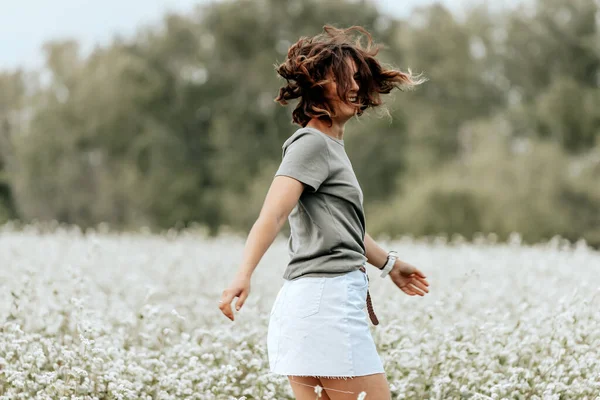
(343, 110)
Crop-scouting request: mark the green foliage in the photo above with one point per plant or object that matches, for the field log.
(500, 186)
(177, 125)
(569, 114)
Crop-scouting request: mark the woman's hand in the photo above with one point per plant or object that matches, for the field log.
(409, 279)
(240, 287)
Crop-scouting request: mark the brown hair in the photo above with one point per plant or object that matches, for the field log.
(310, 60)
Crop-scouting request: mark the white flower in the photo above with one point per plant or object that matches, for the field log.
(503, 332)
(318, 390)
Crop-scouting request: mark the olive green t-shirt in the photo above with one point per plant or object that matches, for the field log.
(328, 223)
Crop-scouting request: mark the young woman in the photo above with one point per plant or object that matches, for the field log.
(318, 332)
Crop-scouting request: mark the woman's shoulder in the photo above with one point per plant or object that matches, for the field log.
(310, 138)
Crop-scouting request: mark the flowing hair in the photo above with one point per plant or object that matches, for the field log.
(311, 62)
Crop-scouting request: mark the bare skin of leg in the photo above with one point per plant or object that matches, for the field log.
(375, 386)
(304, 388)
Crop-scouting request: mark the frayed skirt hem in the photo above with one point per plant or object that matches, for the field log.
(330, 376)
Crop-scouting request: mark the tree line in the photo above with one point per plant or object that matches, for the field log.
(177, 124)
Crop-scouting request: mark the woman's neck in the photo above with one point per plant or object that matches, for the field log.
(336, 130)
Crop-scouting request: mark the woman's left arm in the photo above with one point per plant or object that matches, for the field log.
(376, 256)
(407, 277)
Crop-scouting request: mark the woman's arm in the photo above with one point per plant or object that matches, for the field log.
(407, 277)
(282, 197)
(376, 256)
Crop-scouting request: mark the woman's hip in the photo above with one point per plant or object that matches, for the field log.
(314, 298)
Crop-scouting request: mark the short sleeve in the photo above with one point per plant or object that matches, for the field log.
(306, 159)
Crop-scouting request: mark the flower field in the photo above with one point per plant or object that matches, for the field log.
(135, 316)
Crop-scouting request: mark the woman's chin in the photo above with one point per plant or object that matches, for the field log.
(351, 112)
(355, 112)
(347, 113)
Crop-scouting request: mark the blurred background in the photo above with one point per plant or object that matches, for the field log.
(161, 113)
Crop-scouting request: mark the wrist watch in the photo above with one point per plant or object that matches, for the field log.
(391, 260)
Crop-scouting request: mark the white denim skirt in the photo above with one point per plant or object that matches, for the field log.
(319, 327)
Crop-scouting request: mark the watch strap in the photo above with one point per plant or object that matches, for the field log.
(389, 264)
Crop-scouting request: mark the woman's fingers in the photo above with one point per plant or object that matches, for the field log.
(416, 283)
(240, 301)
(419, 273)
(415, 287)
(225, 305)
(420, 282)
(420, 285)
(417, 291)
(408, 290)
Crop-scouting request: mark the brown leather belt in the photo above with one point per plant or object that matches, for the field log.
(372, 315)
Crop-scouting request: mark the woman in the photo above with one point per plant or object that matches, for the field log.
(318, 332)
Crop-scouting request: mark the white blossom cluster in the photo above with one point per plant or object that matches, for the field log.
(105, 315)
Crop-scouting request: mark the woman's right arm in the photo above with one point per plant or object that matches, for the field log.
(279, 202)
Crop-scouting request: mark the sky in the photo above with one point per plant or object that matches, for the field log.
(32, 22)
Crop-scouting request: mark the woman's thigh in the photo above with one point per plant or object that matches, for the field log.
(375, 386)
(304, 388)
